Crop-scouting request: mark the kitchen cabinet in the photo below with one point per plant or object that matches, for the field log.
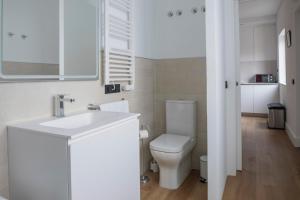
(247, 95)
(247, 43)
(258, 42)
(256, 97)
(265, 42)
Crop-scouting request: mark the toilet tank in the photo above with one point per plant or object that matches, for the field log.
(181, 117)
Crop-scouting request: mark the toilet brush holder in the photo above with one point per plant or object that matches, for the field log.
(143, 179)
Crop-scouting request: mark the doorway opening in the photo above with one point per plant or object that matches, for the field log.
(268, 74)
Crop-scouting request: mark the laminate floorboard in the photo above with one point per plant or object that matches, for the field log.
(191, 189)
(271, 165)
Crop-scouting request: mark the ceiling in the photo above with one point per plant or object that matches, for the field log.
(258, 8)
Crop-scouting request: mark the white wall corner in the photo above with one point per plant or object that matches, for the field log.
(293, 137)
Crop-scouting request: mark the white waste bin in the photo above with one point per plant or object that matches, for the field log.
(203, 169)
(2, 198)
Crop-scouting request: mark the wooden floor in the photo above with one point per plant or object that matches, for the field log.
(271, 165)
(192, 189)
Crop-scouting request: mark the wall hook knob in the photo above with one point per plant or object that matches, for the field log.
(24, 37)
(179, 12)
(10, 34)
(203, 9)
(194, 10)
(170, 14)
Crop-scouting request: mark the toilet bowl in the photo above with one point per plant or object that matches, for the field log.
(173, 155)
(172, 150)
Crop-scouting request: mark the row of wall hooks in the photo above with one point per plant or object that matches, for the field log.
(179, 13)
(11, 35)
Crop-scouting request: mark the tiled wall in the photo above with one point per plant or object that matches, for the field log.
(25, 101)
(182, 79)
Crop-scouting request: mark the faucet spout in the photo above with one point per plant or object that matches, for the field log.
(59, 105)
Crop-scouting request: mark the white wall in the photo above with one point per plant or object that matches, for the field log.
(286, 19)
(179, 37)
(39, 20)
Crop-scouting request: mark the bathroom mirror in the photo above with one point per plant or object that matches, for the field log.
(49, 40)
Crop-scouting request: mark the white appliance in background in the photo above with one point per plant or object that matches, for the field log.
(83, 161)
(173, 150)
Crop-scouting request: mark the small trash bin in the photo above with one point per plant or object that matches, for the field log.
(277, 116)
(203, 168)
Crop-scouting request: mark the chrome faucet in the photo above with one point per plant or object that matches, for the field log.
(59, 105)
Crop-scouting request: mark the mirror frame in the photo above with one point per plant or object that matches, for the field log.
(61, 77)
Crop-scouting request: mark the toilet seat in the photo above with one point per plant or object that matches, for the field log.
(170, 143)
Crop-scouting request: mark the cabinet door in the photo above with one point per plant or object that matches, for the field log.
(265, 46)
(247, 98)
(247, 43)
(263, 95)
(106, 165)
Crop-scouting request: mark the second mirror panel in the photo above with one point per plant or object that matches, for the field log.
(81, 27)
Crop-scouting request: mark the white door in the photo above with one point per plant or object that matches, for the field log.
(106, 165)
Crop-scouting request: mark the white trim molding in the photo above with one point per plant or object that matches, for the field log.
(293, 137)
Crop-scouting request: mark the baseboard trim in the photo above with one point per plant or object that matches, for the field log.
(255, 115)
(294, 139)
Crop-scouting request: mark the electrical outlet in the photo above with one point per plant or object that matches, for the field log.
(110, 89)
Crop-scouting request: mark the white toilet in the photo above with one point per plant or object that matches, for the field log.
(172, 150)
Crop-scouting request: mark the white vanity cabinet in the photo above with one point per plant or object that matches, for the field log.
(97, 161)
(256, 97)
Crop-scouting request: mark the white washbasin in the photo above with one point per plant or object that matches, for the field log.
(73, 122)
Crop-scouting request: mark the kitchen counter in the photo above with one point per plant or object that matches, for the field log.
(243, 83)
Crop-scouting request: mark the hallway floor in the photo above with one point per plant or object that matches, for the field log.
(271, 165)
(192, 189)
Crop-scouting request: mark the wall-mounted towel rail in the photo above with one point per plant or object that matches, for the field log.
(119, 59)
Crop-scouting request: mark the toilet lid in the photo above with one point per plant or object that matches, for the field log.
(169, 143)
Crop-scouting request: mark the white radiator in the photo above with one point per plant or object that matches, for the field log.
(119, 59)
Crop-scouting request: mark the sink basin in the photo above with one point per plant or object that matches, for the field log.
(72, 122)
